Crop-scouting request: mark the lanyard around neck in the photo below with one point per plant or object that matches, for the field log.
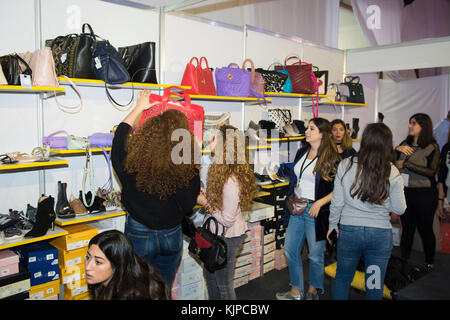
(304, 169)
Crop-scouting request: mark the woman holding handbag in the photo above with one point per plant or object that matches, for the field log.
(156, 192)
(311, 178)
(231, 187)
(366, 189)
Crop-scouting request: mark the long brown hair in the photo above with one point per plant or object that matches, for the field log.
(149, 155)
(231, 160)
(328, 156)
(426, 134)
(375, 157)
(346, 140)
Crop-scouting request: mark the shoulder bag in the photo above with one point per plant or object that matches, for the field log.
(11, 65)
(356, 92)
(139, 60)
(287, 86)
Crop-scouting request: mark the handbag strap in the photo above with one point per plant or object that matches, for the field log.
(57, 132)
(207, 225)
(255, 93)
(206, 61)
(252, 68)
(28, 69)
(233, 65)
(68, 109)
(276, 63)
(88, 172)
(107, 187)
(168, 92)
(224, 117)
(90, 29)
(290, 58)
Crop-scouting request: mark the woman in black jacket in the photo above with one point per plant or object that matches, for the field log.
(311, 177)
(156, 191)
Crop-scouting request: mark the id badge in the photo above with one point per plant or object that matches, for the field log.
(405, 177)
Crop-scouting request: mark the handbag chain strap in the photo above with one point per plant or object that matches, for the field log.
(88, 171)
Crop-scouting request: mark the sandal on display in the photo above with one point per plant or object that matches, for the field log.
(41, 153)
(12, 233)
(7, 159)
(22, 222)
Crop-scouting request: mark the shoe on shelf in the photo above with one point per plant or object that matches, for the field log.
(22, 222)
(45, 217)
(287, 296)
(311, 296)
(63, 209)
(78, 206)
(31, 213)
(12, 233)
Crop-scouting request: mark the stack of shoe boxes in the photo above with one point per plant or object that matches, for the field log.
(72, 249)
(280, 259)
(189, 283)
(248, 260)
(14, 279)
(41, 260)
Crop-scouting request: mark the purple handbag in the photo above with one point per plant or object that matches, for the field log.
(101, 139)
(233, 81)
(56, 142)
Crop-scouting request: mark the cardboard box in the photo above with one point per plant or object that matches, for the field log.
(55, 297)
(191, 277)
(252, 225)
(19, 296)
(243, 260)
(269, 256)
(15, 284)
(174, 293)
(38, 255)
(78, 237)
(83, 296)
(102, 225)
(72, 257)
(280, 259)
(9, 263)
(260, 211)
(75, 288)
(256, 273)
(240, 281)
(189, 264)
(242, 271)
(72, 273)
(45, 290)
(269, 266)
(43, 275)
(269, 238)
(252, 236)
(269, 247)
(193, 291)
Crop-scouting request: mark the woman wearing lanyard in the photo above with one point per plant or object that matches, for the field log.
(311, 177)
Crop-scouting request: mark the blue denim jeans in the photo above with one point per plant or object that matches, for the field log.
(299, 228)
(376, 246)
(161, 248)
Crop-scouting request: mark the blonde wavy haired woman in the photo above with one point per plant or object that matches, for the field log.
(231, 187)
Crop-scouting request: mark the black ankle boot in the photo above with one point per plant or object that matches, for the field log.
(63, 209)
(355, 127)
(45, 217)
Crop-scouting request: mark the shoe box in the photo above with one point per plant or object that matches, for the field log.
(15, 284)
(280, 259)
(75, 288)
(9, 263)
(78, 237)
(260, 211)
(44, 291)
(68, 258)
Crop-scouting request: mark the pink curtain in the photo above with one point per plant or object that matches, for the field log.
(399, 23)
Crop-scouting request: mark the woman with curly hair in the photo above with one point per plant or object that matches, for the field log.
(311, 177)
(115, 272)
(156, 192)
(231, 187)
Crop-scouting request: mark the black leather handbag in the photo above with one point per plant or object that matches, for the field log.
(72, 54)
(273, 80)
(11, 68)
(322, 79)
(139, 60)
(356, 92)
(208, 247)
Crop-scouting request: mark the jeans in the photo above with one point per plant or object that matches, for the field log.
(220, 284)
(161, 248)
(376, 245)
(299, 228)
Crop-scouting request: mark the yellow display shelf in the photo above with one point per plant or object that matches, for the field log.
(89, 217)
(129, 85)
(349, 104)
(19, 89)
(75, 152)
(285, 139)
(292, 95)
(18, 167)
(58, 232)
(271, 186)
(356, 140)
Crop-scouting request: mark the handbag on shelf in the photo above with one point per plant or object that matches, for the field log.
(72, 54)
(54, 141)
(356, 92)
(11, 66)
(193, 112)
(296, 206)
(273, 80)
(280, 117)
(42, 66)
(200, 79)
(287, 87)
(322, 79)
(103, 140)
(77, 143)
(208, 247)
(2, 77)
(257, 81)
(139, 60)
(300, 75)
(233, 81)
(212, 122)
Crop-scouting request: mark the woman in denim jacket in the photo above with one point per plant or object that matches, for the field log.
(311, 178)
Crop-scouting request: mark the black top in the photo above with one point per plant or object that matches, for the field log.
(443, 170)
(347, 153)
(146, 208)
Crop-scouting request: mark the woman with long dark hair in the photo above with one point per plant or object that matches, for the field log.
(311, 177)
(367, 188)
(157, 192)
(115, 272)
(418, 161)
(342, 138)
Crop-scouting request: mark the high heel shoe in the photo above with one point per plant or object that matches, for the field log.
(45, 217)
(63, 209)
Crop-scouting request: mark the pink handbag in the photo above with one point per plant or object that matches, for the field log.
(257, 81)
(42, 66)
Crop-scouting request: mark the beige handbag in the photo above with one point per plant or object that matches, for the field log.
(42, 66)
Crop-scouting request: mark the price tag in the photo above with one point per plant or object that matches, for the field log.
(98, 63)
(25, 81)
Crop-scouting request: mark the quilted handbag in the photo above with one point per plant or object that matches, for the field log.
(193, 112)
(233, 81)
(257, 81)
(356, 92)
(72, 54)
(208, 247)
(287, 87)
(200, 79)
(300, 75)
(273, 80)
(54, 141)
(139, 60)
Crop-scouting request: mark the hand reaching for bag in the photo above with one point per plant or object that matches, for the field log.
(143, 100)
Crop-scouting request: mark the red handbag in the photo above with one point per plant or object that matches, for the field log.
(193, 112)
(300, 75)
(199, 79)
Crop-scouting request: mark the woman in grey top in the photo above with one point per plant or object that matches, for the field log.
(366, 189)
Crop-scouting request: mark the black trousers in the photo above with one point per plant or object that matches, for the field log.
(421, 206)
